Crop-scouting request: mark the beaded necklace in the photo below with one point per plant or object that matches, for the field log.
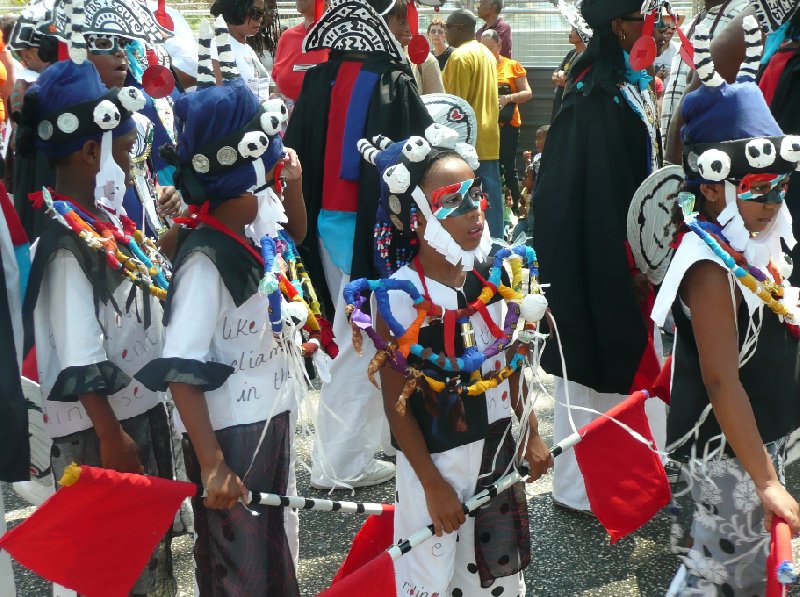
(396, 354)
(743, 273)
(141, 267)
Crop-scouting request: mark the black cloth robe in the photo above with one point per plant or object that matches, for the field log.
(595, 158)
(785, 107)
(15, 459)
(395, 110)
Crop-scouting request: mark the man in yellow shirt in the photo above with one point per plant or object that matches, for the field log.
(471, 73)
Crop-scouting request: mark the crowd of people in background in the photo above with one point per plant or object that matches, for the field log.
(209, 209)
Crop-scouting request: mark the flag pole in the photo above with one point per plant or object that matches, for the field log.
(257, 498)
(481, 498)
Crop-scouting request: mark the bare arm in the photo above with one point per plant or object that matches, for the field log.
(223, 487)
(293, 203)
(118, 451)
(706, 291)
(727, 52)
(537, 454)
(524, 93)
(727, 48)
(444, 506)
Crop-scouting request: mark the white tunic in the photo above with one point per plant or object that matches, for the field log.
(69, 334)
(206, 325)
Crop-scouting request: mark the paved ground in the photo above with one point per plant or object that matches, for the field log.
(571, 552)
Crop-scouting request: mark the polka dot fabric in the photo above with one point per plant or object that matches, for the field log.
(443, 565)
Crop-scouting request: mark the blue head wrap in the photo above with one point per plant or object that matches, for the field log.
(209, 117)
(61, 86)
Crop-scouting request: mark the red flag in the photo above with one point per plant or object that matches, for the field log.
(662, 384)
(625, 480)
(354, 578)
(96, 534)
(374, 580)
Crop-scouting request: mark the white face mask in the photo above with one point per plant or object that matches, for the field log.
(758, 250)
(271, 213)
(441, 240)
(110, 181)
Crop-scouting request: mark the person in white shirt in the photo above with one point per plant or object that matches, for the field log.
(244, 19)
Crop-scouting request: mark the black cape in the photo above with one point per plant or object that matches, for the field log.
(396, 110)
(785, 107)
(15, 459)
(594, 160)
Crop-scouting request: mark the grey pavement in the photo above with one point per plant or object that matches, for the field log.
(571, 554)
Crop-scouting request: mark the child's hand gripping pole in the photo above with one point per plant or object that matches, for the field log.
(255, 498)
(484, 496)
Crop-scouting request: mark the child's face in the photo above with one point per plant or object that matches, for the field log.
(757, 212)
(112, 65)
(466, 229)
(541, 137)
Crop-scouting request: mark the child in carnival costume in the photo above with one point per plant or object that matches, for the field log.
(230, 357)
(96, 286)
(449, 391)
(735, 382)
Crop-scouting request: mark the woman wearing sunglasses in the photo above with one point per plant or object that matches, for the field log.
(244, 19)
(735, 381)
(439, 47)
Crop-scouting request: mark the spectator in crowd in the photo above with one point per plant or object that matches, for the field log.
(512, 89)
(265, 42)
(7, 76)
(471, 73)
(244, 19)
(439, 47)
(489, 11)
(560, 75)
(291, 63)
(427, 75)
(536, 161)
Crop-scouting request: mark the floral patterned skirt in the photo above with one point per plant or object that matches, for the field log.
(727, 551)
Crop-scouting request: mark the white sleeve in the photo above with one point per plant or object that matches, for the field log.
(194, 310)
(76, 335)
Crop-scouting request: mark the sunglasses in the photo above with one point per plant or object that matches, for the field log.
(458, 198)
(662, 22)
(255, 13)
(436, 31)
(106, 44)
(763, 188)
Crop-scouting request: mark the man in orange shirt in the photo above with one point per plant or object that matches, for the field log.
(291, 63)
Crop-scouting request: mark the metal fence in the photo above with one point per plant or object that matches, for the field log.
(538, 31)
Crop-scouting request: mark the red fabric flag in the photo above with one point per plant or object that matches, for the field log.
(625, 480)
(650, 363)
(368, 570)
(96, 535)
(663, 383)
(376, 579)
